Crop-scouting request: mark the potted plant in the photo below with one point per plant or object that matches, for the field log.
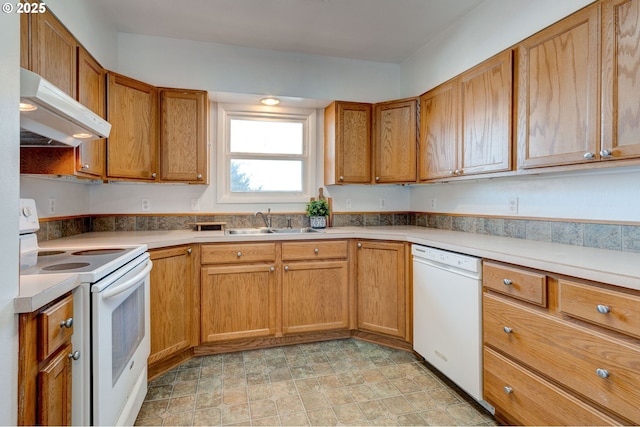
(318, 210)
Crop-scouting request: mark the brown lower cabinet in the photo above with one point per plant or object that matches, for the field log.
(559, 350)
(383, 287)
(44, 364)
(173, 297)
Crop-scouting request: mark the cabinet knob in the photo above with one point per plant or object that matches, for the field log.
(239, 254)
(605, 153)
(316, 250)
(508, 389)
(272, 269)
(452, 173)
(286, 268)
(153, 175)
(199, 176)
(75, 355)
(589, 156)
(457, 171)
(359, 245)
(603, 309)
(189, 251)
(377, 178)
(507, 282)
(341, 178)
(85, 166)
(67, 323)
(507, 330)
(602, 373)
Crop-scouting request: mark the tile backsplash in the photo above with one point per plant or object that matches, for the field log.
(618, 237)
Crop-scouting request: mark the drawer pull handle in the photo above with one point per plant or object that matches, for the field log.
(507, 330)
(189, 251)
(286, 268)
(508, 389)
(316, 250)
(359, 245)
(75, 355)
(507, 282)
(602, 373)
(67, 323)
(272, 269)
(239, 254)
(603, 309)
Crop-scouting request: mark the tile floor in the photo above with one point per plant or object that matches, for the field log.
(341, 382)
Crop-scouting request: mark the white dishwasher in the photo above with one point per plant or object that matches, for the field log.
(447, 314)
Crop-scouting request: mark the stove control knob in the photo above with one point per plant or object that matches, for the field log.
(27, 211)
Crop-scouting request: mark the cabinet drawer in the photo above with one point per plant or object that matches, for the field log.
(611, 309)
(292, 251)
(526, 399)
(522, 284)
(570, 354)
(235, 253)
(54, 327)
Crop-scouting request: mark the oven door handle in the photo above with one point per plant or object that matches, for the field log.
(111, 292)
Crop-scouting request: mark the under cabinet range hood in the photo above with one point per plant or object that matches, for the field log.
(50, 117)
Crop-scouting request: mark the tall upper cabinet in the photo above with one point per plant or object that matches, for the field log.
(347, 143)
(620, 79)
(578, 88)
(466, 123)
(395, 141)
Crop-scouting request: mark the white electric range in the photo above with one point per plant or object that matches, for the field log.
(111, 321)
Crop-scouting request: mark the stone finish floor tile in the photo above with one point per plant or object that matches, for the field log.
(340, 382)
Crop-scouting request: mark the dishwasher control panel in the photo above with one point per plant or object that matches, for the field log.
(453, 259)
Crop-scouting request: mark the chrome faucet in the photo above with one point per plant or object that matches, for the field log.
(266, 219)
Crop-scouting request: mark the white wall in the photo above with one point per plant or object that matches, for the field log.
(9, 125)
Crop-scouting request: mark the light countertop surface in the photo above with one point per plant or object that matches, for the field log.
(600, 265)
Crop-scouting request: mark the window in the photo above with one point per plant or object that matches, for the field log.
(263, 156)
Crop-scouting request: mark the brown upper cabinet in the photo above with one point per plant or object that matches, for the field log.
(347, 143)
(395, 141)
(52, 51)
(564, 118)
(183, 136)
(132, 146)
(466, 123)
(91, 94)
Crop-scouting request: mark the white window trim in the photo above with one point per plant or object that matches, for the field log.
(228, 111)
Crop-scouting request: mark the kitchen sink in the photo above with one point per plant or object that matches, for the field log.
(257, 231)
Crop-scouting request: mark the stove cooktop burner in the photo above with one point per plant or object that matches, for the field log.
(65, 266)
(99, 251)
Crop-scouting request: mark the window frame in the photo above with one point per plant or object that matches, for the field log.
(227, 112)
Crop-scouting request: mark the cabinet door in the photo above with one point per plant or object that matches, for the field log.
(558, 75)
(395, 144)
(53, 52)
(54, 390)
(171, 302)
(315, 296)
(382, 288)
(347, 143)
(439, 123)
(238, 302)
(132, 146)
(183, 136)
(486, 114)
(621, 79)
(91, 94)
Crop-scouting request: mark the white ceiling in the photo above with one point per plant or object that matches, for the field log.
(373, 30)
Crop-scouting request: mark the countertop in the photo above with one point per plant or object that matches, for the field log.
(599, 265)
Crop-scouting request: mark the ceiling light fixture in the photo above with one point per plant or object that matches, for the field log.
(82, 135)
(27, 107)
(270, 101)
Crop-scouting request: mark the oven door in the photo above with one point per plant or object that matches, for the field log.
(120, 344)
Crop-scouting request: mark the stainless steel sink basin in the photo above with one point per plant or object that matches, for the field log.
(257, 231)
(247, 231)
